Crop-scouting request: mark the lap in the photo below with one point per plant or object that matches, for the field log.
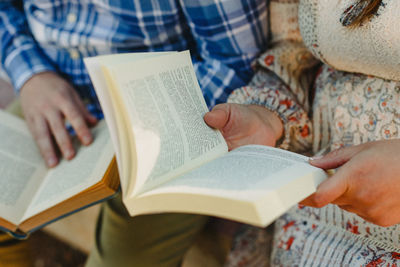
(147, 240)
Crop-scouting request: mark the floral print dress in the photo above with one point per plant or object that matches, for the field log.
(323, 109)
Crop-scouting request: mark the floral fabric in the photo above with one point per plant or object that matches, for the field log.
(347, 109)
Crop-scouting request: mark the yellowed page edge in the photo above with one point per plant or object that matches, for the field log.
(273, 187)
(123, 73)
(108, 102)
(127, 141)
(237, 209)
(93, 65)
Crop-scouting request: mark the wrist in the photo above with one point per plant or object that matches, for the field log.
(38, 78)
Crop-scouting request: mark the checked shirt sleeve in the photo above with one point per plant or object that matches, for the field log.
(229, 35)
(21, 57)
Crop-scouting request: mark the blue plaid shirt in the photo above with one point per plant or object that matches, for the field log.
(48, 35)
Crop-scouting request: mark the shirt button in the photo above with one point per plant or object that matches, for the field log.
(71, 18)
(74, 54)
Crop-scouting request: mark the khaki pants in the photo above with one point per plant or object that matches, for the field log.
(148, 240)
(14, 253)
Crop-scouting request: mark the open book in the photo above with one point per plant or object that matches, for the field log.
(31, 195)
(169, 160)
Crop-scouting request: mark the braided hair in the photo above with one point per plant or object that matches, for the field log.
(370, 8)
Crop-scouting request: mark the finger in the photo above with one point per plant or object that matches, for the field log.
(218, 117)
(60, 133)
(89, 118)
(308, 201)
(385, 219)
(336, 158)
(329, 191)
(73, 114)
(41, 133)
(348, 208)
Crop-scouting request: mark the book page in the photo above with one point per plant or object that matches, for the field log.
(249, 167)
(109, 108)
(165, 110)
(71, 177)
(21, 166)
(252, 184)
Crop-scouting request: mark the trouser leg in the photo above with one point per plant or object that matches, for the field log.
(13, 252)
(148, 240)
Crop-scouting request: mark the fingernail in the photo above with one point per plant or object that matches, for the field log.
(331, 172)
(87, 139)
(93, 118)
(69, 153)
(316, 158)
(52, 161)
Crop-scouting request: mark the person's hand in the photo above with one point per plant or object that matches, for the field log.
(47, 101)
(243, 125)
(367, 182)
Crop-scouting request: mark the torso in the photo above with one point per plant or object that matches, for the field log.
(348, 109)
(372, 49)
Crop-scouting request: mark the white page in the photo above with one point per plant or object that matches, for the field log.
(166, 110)
(250, 167)
(71, 177)
(21, 167)
(93, 66)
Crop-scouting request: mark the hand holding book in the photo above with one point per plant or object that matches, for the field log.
(245, 125)
(365, 183)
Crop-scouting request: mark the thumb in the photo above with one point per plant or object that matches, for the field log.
(328, 191)
(335, 158)
(89, 118)
(218, 117)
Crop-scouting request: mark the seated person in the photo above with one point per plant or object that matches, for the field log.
(348, 109)
(42, 48)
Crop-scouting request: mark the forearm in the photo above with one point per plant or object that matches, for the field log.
(268, 116)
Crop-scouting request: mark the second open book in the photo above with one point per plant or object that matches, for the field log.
(169, 160)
